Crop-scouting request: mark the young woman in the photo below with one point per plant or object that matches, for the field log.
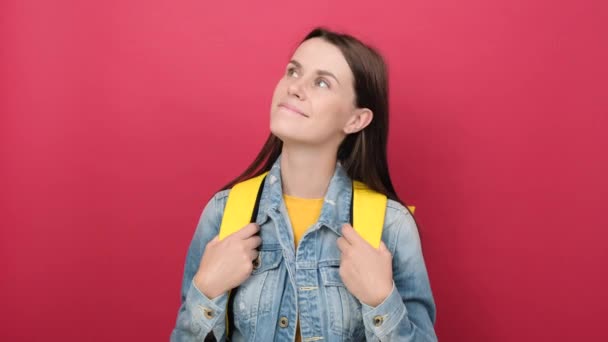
(300, 271)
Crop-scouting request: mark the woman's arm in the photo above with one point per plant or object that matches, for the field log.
(408, 313)
(198, 315)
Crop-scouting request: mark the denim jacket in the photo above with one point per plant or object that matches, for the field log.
(307, 281)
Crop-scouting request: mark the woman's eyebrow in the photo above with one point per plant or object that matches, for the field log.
(327, 73)
(319, 72)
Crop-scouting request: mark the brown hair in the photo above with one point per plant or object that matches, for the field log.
(362, 154)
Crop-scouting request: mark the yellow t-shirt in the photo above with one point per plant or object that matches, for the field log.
(303, 213)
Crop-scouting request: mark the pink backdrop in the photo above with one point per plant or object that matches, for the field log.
(119, 120)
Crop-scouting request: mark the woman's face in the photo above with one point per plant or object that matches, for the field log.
(314, 101)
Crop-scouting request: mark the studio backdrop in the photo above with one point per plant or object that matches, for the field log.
(120, 119)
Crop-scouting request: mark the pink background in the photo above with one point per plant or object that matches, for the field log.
(119, 120)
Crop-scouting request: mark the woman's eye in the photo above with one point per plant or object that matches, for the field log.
(292, 72)
(322, 83)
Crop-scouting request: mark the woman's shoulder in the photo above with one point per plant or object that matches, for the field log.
(221, 195)
(218, 200)
(399, 224)
(213, 208)
(396, 210)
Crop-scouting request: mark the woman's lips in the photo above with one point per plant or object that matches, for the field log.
(291, 108)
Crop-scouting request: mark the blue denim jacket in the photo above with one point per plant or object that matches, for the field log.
(307, 280)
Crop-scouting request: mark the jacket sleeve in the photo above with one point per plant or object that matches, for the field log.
(199, 316)
(408, 313)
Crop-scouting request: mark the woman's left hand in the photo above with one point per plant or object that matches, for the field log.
(367, 272)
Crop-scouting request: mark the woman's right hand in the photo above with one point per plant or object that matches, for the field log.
(226, 264)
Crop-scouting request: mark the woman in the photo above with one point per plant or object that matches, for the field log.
(300, 271)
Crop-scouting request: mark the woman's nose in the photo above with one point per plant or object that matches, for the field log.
(296, 88)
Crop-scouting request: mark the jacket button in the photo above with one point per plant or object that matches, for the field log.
(283, 322)
(257, 261)
(208, 313)
(378, 320)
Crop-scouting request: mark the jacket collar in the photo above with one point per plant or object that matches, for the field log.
(336, 205)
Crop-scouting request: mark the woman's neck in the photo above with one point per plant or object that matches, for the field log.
(306, 173)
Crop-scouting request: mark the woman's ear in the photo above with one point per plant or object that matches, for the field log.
(360, 118)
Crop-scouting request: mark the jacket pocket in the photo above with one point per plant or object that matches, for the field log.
(345, 318)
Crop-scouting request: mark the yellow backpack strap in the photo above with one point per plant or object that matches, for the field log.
(240, 210)
(240, 205)
(368, 210)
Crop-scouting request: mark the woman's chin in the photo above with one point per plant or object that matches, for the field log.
(289, 137)
(284, 130)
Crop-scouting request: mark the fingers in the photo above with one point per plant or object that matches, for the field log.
(253, 254)
(349, 233)
(247, 231)
(253, 242)
(343, 244)
(352, 239)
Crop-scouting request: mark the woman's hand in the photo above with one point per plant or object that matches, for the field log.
(367, 272)
(228, 263)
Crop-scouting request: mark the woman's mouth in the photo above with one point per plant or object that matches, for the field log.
(291, 108)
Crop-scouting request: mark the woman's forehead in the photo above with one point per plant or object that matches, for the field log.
(318, 54)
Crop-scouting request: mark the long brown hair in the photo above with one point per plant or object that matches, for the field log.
(362, 154)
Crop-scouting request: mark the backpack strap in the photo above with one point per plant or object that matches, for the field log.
(241, 206)
(241, 209)
(367, 211)
(368, 208)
